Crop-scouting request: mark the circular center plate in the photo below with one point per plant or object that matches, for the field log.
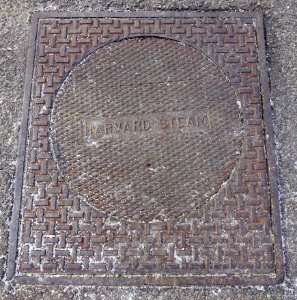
(146, 129)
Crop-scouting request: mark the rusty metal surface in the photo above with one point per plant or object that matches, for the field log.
(146, 129)
(146, 160)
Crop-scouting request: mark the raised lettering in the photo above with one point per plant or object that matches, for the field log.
(208, 118)
(180, 122)
(93, 130)
(100, 127)
(201, 120)
(127, 127)
(108, 128)
(146, 125)
(156, 123)
(118, 127)
(163, 124)
(138, 126)
(190, 122)
(173, 122)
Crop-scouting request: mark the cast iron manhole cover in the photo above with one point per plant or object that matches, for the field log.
(149, 153)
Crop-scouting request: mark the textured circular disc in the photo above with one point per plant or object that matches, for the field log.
(146, 129)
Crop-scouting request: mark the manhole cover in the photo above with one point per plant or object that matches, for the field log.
(146, 129)
(146, 153)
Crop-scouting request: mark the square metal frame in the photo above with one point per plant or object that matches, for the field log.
(208, 279)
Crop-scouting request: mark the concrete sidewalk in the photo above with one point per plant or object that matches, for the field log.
(281, 36)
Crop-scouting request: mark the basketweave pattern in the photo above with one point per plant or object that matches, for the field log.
(229, 234)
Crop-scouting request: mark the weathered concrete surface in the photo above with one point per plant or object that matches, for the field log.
(281, 35)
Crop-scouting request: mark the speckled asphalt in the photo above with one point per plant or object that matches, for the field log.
(281, 36)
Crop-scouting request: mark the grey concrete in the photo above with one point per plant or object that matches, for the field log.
(281, 35)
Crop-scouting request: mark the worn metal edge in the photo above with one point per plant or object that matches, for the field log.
(127, 280)
(270, 150)
(21, 155)
(144, 14)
